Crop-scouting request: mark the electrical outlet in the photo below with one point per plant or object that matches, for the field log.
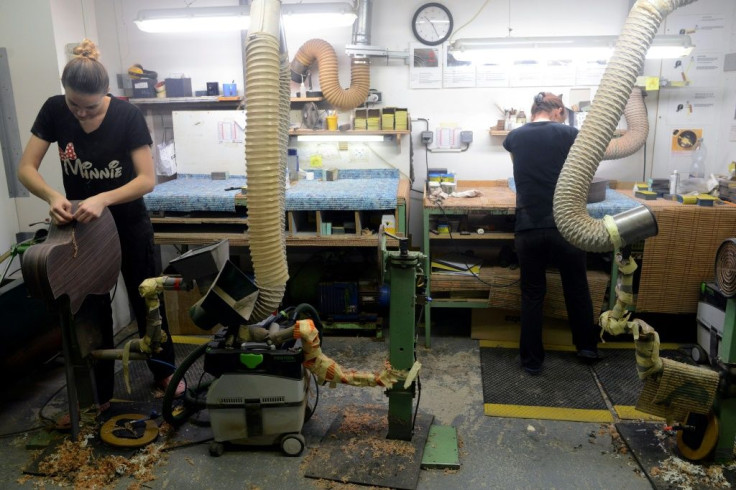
(466, 137)
(427, 137)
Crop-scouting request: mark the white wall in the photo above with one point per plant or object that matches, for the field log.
(34, 76)
(217, 57)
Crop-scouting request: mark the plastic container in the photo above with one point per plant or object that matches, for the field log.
(389, 223)
(674, 182)
(697, 167)
(292, 165)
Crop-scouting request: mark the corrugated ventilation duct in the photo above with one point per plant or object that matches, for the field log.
(266, 139)
(324, 54)
(571, 193)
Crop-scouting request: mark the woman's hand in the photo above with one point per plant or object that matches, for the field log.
(60, 210)
(90, 209)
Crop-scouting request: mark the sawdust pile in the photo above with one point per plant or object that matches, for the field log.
(618, 443)
(684, 475)
(367, 436)
(74, 464)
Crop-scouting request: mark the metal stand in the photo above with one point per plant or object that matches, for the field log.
(80, 378)
(402, 270)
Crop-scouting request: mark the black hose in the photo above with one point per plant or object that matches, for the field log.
(190, 403)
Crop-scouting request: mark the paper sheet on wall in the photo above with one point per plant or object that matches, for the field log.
(457, 74)
(425, 69)
(689, 106)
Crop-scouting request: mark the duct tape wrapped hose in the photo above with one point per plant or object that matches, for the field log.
(681, 389)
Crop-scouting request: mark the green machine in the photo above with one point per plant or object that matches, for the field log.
(719, 429)
(403, 271)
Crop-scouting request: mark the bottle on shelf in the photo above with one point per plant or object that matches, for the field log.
(697, 167)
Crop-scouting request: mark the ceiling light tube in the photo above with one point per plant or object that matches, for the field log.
(194, 19)
(575, 47)
(203, 19)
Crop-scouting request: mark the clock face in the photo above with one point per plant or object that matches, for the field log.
(432, 24)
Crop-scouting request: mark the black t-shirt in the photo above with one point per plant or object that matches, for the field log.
(101, 160)
(539, 150)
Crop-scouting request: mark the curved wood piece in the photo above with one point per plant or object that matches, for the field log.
(76, 259)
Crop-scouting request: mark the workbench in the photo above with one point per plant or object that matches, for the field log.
(672, 264)
(494, 211)
(196, 210)
(682, 255)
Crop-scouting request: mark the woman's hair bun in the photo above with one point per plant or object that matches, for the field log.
(87, 49)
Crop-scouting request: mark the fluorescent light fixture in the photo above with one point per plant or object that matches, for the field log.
(560, 48)
(203, 19)
(323, 138)
(194, 19)
(309, 15)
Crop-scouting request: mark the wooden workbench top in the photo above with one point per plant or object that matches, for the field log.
(495, 194)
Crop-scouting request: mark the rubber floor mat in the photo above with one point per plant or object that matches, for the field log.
(665, 468)
(356, 450)
(565, 389)
(617, 374)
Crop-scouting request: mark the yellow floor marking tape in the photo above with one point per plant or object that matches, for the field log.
(190, 339)
(547, 413)
(631, 413)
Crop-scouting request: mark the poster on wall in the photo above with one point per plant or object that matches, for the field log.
(683, 140)
(425, 69)
(589, 72)
(707, 31)
(457, 73)
(492, 75)
(689, 106)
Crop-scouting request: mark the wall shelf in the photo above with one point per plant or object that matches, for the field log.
(393, 134)
(306, 99)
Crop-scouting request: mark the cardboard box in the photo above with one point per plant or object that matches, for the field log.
(505, 326)
(178, 87)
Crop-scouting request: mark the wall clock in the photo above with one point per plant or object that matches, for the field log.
(432, 24)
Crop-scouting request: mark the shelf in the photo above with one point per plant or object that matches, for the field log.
(306, 99)
(489, 235)
(350, 134)
(207, 100)
(498, 132)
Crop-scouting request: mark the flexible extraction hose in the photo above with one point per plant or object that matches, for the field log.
(266, 139)
(637, 124)
(570, 212)
(324, 54)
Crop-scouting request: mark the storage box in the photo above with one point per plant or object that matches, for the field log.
(388, 118)
(401, 119)
(144, 89)
(360, 120)
(178, 87)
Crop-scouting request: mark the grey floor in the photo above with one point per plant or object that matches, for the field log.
(494, 452)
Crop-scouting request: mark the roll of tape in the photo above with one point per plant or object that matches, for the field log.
(481, 231)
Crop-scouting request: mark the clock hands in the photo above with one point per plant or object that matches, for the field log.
(432, 24)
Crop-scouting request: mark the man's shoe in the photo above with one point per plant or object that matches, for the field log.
(588, 355)
(534, 371)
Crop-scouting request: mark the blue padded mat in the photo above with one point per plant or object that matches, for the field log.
(614, 203)
(194, 192)
(354, 190)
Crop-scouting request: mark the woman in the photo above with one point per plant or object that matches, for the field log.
(96, 131)
(538, 151)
